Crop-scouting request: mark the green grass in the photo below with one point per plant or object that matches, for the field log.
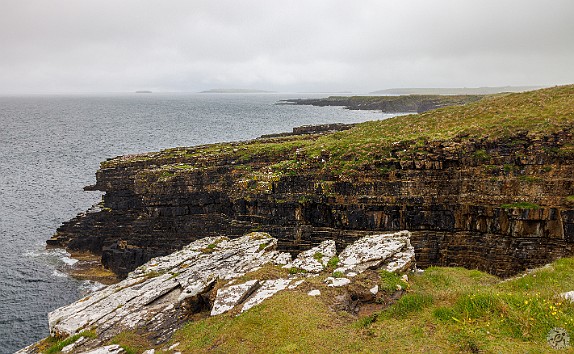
(338, 275)
(520, 205)
(333, 262)
(504, 116)
(132, 342)
(56, 346)
(481, 155)
(408, 304)
(389, 282)
(530, 179)
(445, 310)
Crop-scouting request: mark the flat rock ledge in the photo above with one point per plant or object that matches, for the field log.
(160, 295)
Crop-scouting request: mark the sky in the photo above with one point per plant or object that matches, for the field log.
(288, 46)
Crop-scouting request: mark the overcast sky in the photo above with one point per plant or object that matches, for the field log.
(305, 45)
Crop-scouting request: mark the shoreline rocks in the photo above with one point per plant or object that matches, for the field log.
(161, 295)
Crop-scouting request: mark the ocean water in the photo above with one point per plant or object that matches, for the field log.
(51, 147)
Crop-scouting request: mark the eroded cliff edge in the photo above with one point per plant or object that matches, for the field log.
(488, 185)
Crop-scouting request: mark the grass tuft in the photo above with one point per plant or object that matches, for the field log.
(409, 303)
(390, 281)
(58, 345)
(520, 205)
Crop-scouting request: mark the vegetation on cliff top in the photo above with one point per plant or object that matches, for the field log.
(537, 112)
(444, 310)
(540, 112)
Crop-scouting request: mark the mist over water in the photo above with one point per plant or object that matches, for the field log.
(51, 147)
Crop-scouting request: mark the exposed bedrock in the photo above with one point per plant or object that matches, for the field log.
(501, 206)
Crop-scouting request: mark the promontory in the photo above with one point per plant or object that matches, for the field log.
(486, 187)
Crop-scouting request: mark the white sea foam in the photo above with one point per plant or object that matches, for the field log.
(69, 261)
(89, 286)
(61, 255)
(56, 273)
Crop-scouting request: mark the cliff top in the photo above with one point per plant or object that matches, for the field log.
(535, 113)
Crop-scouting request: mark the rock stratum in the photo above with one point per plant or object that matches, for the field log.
(215, 275)
(488, 185)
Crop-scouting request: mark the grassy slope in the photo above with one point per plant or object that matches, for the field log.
(538, 112)
(446, 310)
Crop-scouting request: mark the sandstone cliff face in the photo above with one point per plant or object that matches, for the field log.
(498, 205)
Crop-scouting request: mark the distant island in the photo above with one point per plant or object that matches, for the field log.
(236, 91)
(455, 90)
(143, 91)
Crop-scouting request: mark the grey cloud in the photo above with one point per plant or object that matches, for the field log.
(105, 45)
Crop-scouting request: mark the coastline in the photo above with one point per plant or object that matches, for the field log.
(506, 214)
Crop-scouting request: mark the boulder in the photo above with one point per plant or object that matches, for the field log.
(268, 288)
(229, 297)
(314, 292)
(390, 251)
(337, 282)
(315, 259)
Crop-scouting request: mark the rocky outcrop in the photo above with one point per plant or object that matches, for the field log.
(161, 295)
(392, 253)
(205, 277)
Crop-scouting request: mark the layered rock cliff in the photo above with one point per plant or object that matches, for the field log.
(488, 185)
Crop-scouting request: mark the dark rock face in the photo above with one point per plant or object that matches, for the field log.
(458, 198)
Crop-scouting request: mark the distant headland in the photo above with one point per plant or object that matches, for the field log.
(143, 91)
(455, 90)
(236, 91)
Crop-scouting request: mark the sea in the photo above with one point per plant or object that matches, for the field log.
(51, 147)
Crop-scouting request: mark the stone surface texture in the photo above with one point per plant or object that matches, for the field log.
(108, 349)
(205, 276)
(315, 259)
(268, 288)
(392, 252)
(166, 288)
(568, 296)
(337, 282)
(229, 297)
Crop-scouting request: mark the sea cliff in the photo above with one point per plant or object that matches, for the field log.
(487, 185)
